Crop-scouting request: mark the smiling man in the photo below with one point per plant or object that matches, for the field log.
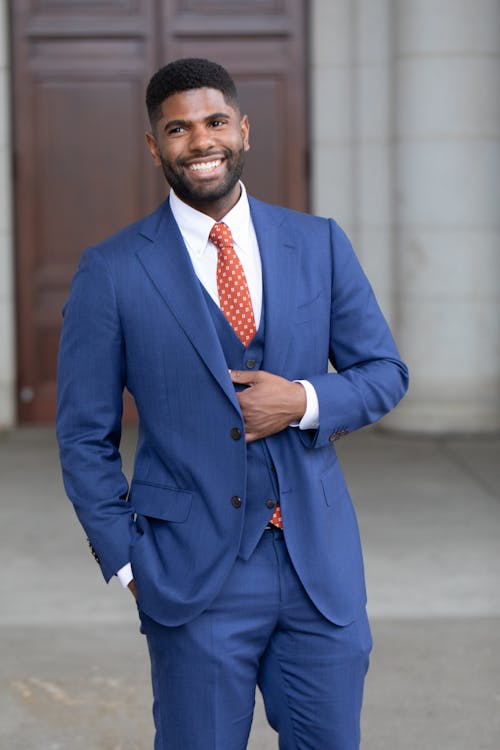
(237, 535)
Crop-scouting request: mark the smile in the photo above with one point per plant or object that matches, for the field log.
(205, 166)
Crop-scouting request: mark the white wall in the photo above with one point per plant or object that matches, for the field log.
(351, 130)
(406, 156)
(447, 141)
(7, 302)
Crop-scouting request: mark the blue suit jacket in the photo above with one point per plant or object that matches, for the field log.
(137, 318)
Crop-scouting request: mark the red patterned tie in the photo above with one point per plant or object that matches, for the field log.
(276, 519)
(235, 301)
(234, 296)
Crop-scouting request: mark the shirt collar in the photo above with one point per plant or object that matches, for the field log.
(195, 226)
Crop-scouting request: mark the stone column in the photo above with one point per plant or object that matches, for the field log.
(332, 114)
(447, 127)
(351, 129)
(371, 97)
(7, 302)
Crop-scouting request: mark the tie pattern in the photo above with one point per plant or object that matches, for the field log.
(234, 295)
(276, 519)
(235, 300)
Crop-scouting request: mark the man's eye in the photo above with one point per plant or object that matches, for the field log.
(176, 131)
(217, 123)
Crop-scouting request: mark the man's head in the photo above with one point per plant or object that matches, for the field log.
(199, 137)
(184, 75)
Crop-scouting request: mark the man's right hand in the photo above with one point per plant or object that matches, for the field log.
(133, 588)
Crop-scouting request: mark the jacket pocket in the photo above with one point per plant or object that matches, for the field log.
(159, 501)
(333, 482)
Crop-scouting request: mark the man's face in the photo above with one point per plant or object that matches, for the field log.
(200, 142)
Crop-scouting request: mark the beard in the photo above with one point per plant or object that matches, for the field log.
(177, 176)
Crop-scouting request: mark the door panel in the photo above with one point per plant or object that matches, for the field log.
(262, 44)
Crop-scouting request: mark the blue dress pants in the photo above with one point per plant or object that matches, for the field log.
(262, 629)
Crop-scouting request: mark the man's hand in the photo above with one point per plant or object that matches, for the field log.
(269, 404)
(133, 588)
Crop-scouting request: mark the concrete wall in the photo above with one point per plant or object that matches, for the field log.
(447, 149)
(351, 130)
(406, 156)
(7, 302)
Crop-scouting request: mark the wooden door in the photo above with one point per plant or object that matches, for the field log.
(81, 168)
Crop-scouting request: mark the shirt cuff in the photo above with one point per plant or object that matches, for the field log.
(125, 575)
(310, 419)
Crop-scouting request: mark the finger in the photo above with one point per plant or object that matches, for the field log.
(240, 376)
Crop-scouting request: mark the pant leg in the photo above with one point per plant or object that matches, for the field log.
(312, 673)
(204, 673)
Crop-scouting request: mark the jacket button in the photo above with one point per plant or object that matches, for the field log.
(250, 363)
(236, 433)
(236, 501)
(270, 504)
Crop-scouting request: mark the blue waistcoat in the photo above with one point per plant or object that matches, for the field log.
(262, 485)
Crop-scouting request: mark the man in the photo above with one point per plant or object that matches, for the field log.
(237, 536)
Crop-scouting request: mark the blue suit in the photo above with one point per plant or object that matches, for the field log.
(137, 317)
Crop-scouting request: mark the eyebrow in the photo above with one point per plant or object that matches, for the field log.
(182, 123)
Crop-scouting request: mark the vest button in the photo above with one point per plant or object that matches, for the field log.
(250, 363)
(270, 504)
(235, 433)
(236, 501)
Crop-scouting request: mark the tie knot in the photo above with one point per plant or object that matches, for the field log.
(221, 236)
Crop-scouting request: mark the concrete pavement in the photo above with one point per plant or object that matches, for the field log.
(74, 669)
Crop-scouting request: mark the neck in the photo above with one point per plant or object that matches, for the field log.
(216, 209)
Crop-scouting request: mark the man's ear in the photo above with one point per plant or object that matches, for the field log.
(153, 147)
(245, 132)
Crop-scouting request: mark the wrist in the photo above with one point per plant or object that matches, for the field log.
(310, 418)
(299, 404)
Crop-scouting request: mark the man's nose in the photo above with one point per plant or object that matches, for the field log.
(201, 138)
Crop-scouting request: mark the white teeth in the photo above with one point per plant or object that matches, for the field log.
(205, 166)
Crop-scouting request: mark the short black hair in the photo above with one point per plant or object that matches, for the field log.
(185, 74)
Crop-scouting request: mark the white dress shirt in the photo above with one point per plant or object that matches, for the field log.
(195, 228)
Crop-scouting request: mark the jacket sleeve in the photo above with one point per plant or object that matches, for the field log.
(91, 377)
(370, 378)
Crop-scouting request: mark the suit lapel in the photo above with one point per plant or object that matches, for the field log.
(167, 263)
(280, 264)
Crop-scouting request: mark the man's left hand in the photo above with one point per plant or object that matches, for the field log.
(269, 404)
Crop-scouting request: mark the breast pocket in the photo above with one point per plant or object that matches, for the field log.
(310, 309)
